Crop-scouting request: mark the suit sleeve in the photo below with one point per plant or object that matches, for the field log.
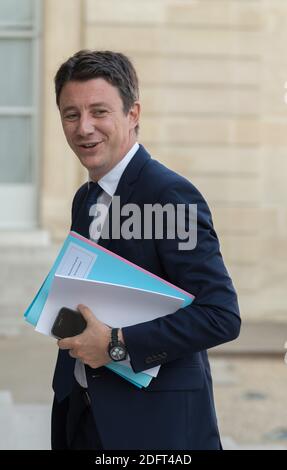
(213, 317)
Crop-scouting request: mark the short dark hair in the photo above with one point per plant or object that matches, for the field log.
(114, 67)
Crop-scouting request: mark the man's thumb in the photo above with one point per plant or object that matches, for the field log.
(86, 312)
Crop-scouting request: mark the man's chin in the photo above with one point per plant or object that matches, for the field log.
(90, 162)
(94, 167)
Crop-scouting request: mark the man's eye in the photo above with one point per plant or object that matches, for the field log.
(99, 112)
(71, 117)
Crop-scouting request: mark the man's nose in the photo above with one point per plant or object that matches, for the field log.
(85, 126)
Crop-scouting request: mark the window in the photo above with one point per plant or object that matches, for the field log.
(19, 120)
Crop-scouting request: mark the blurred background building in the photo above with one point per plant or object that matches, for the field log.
(212, 76)
(213, 82)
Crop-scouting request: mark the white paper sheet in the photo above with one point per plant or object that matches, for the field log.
(115, 305)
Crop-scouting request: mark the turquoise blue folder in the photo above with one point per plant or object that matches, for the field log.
(108, 267)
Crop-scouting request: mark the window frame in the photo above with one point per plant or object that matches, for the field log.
(17, 30)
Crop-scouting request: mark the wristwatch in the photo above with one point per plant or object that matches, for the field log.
(117, 350)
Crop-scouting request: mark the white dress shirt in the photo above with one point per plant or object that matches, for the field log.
(108, 183)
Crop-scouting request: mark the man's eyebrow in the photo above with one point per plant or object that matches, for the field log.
(98, 105)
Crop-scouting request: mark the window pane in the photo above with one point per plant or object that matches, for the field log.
(16, 11)
(16, 77)
(15, 150)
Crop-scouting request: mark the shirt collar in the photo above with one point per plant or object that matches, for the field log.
(110, 181)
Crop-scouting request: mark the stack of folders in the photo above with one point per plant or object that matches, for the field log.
(118, 292)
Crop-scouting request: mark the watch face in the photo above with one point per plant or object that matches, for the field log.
(117, 353)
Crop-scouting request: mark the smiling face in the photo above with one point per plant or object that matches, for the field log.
(95, 125)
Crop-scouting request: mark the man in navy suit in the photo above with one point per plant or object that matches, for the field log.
(94, 408)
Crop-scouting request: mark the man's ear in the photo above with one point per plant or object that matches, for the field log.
(134, 114)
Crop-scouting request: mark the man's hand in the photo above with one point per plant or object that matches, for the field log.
(91, 346)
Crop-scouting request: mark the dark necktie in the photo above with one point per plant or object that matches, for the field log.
(94, 191)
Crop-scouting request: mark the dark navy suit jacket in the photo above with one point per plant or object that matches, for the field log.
(176, 411)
